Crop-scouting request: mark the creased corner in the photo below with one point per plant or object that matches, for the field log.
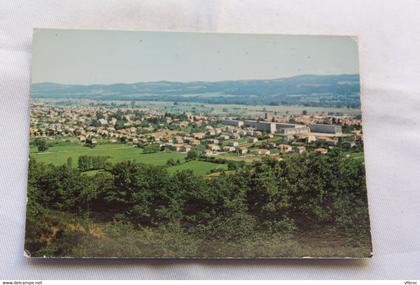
(26, 253)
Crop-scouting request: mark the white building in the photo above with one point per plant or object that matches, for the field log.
(325, 128)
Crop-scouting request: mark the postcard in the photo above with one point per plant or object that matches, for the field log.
(195, 145)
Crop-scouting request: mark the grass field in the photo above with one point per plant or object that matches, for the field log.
(59, 154)
(234, 157)
(118, 152)
(199, 167)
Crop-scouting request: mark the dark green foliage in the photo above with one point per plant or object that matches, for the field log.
(95, 123)
(151, 148)
(99, 115)
(143, 206)
(58, 188)
(171, 162)
(119, 124)
(69, 162)
(193, 154)
(41, 144)
(233, 165)
(87, 162)
(140, 192)
(90, 143)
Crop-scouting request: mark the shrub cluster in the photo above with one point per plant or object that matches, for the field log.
(266, 198)
(87, 162)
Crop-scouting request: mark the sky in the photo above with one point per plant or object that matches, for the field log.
(105, 57)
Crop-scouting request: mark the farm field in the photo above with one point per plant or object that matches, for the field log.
(234, 157)
(59, 154)
(118, 152)
(198, 167)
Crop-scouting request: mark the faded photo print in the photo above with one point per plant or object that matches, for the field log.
(195, 145)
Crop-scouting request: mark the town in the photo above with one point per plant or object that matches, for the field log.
(186, 145)
(207, 135)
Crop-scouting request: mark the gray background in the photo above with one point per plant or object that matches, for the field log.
(389, 39)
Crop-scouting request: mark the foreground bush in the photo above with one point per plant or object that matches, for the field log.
(142, 210)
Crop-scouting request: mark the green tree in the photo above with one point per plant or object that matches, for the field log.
(192, 154)
(119, 124)
(151, 148)
(95, 123)
(84, 163)
(69, 162)
(41, 144)
(139, 189)
(251, 202)
(171, 162)
(99, 115)
(195, 152)
(90, 143)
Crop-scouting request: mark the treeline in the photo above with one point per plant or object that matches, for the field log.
(266, 198)
(87, 162)
(232, 164)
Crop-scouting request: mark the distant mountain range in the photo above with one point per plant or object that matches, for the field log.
(306, 90)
